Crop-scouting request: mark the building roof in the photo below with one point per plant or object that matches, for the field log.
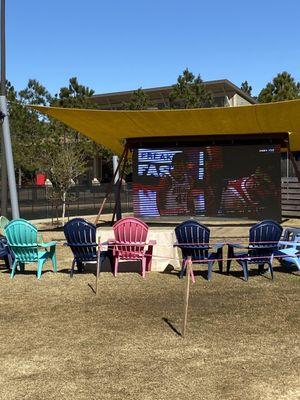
(221, 86)
(111, 128)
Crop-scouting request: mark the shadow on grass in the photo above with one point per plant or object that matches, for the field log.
(92, 288)
(170, 324)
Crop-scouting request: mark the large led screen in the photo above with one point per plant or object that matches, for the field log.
(228, 181)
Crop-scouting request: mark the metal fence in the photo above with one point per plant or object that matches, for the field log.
(42, 202)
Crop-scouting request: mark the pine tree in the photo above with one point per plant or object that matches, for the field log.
(190, 92)
(245, 87)
(283, 87)
(138, 101)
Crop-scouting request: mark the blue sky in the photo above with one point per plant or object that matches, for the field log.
(117, 45)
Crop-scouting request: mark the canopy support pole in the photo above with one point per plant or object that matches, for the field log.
(110, 187)
(6, 139)
(294, 162)
(118, 208)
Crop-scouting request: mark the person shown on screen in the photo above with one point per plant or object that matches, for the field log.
(251, 194)
(174, 195)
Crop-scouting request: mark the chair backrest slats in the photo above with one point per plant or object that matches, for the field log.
(81, 237)
(263, 238)
(130, 236)
(194, 238)
(22, 238)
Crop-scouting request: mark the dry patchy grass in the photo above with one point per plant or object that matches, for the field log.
(60, 341)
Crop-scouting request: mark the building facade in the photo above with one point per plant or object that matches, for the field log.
(225, 94)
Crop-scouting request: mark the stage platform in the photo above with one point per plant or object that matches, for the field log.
(165, 256)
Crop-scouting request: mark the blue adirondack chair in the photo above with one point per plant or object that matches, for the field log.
(5, 252)
(22, 238)
(289, 248)
(263, 242)
(193, 240)
(81, 238)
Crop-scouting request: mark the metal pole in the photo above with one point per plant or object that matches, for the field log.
(118, 205)
(115, 168)
(287, 174)
(2, 88)
(3, 180)
(5, 125)
(110, 187)
(116, 172)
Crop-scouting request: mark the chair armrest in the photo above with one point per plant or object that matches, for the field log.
(49, 244)
(110, 241)
(81, 244)
(218, 246)
(192, 246)
(288, 243)
(291, 251)
(237, 246)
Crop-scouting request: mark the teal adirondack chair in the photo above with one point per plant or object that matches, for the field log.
(22, 237)
(3, 222)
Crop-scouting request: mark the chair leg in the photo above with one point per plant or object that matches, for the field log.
(111, 259)
(144, 262)
(103, 256)
(149, 254)
(228, 266)
(116, 266)
(11, 258)
(7, 260)
(220, 263)
(271, 269)
(79, 266)
(22, 267)
(245, 269)
(183, 268)
(230, 255)
(297, 263)
(209, 271)
(41, 262)
(220, 260)
(13, 270)
(54, 262)
(261, 268)
(72, 268)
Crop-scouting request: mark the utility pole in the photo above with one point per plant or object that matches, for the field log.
(2, 91)
(6, 140)
(3, 180)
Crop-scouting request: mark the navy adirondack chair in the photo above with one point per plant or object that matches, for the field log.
(5, 252)
(263, 242)
(193, 240)
(81, 238)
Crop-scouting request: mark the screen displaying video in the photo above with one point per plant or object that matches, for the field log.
(225, 181)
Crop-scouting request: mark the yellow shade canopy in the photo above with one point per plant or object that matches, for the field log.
(110, 128)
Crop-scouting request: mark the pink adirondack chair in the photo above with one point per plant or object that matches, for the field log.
(130, 243)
